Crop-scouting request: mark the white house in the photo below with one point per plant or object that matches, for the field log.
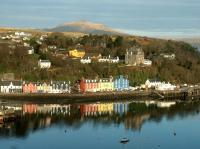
(165, 87)
(169, 56)
(86, 60)
(44, 64)
(26, 44)
(108, 60)
(147, 62)
(53, 47)
(31, 51)
(114, 60)
(10, 86)
(152, 83)
(103, 59)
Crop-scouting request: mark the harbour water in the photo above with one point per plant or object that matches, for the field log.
(147, 124)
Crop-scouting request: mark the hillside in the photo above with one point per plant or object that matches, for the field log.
(185, 68)
(85, 27)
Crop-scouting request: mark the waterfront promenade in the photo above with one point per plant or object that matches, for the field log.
(183, 95)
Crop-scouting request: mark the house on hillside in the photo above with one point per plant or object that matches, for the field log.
(77, 53)
(85, 60)
(147, 62)
(134, 56)
(44, 64)
(108, 60)
(10, 86)
(30, 51)
(168, 56)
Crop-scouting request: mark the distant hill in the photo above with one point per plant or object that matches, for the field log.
(194, 41)
(85, 27)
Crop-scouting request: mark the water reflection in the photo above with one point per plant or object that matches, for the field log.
(19, 120)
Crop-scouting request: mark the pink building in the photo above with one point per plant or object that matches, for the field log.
(29, 87)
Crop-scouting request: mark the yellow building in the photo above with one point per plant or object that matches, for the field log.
(106, 84)
(105, 108)
(77, 53)
(43, 88)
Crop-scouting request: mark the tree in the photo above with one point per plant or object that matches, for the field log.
(118, 41)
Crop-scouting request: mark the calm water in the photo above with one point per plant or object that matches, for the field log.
(102, 125)
(143, 17)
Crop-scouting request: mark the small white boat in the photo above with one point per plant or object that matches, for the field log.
(124, 140)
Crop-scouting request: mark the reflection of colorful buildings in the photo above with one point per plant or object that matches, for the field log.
(120, 108)
(136, 122)
(96, 109)
(46, 109)
(29, 108)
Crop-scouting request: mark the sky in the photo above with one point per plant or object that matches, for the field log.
(143, 17)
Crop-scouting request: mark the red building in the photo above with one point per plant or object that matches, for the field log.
(29, 88)
(87, 85)
(30, 108)
(88, 109)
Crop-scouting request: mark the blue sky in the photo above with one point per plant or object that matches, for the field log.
(152, 17)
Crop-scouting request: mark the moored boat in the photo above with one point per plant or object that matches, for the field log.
(124, 140)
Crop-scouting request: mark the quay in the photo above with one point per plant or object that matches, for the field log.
(70, 98)
(185, 94)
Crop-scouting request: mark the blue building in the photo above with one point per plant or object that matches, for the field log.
(121, 83)
(120, 108)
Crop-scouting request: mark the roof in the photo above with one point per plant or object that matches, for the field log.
(135, 50)
(7, 83)
(44, 61)
(104, 79)
(121, 76)
(34, 83)
(153, 80)
(60, 84)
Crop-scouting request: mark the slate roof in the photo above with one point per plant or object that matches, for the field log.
(7, 83)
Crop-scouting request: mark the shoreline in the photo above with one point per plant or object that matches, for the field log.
(100, 96)
(95, 97)
(70, 98)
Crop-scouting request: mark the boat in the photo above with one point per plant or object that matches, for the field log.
(124, 140)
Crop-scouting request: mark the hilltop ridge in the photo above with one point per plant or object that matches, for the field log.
(86, 27)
